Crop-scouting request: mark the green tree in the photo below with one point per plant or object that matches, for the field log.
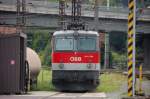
(40, 42)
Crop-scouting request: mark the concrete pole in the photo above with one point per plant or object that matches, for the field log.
(108, 4)
(107, 50)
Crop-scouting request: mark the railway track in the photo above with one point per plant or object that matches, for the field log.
(56, 95)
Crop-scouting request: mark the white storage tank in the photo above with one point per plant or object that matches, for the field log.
(34, 64)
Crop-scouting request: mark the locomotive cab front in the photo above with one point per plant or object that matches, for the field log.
(75, 60)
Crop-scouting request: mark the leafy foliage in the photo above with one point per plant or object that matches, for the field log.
(44, 82)
(41, 43)
(119, 60)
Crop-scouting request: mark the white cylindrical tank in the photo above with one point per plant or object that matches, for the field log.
(34, 63)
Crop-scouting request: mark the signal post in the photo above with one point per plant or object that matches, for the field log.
(131, 47)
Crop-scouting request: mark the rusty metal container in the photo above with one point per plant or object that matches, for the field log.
(12, 63)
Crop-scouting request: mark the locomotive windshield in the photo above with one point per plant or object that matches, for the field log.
(72, 44)
(64, 44)
(86, 44)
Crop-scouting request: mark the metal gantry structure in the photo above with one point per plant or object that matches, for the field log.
(76, 10)
(96, 14)
(75, 15)
(76, 22)
(23, 15)
(21, 18)
(62, 13)
(18, 21)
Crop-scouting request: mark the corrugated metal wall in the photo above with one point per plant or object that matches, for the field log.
(12, 63)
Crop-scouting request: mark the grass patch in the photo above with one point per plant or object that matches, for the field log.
(110, 82)
(44, 82)
(53, 0)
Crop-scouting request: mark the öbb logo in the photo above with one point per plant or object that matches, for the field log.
(75, 59)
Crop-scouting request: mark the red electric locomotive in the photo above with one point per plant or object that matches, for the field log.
(75, 60)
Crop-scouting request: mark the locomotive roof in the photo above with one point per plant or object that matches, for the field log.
(71, 32)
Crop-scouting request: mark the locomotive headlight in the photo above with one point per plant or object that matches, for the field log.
(89, 66)
(61, 65)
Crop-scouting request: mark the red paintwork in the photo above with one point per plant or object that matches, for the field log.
(76, 57)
